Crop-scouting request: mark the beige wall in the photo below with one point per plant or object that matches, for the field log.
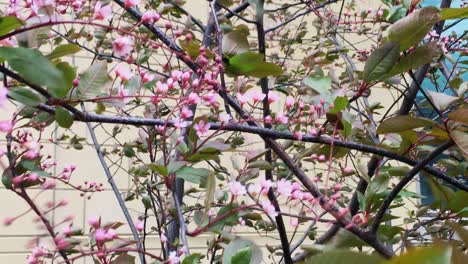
(14, 239)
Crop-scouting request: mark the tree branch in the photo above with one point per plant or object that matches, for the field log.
(403, 182)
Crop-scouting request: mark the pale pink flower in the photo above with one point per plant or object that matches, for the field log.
(162, 88)
(163, 238)
(210, 98)
(290, 102)
(265, 184)
(348, 170)
(179, 123)
(8, 42)
(281, 118)
(256, 96)
(5, 125)
(123, 72)
(8, 221)
(122, 46)
(193, 98)
(284, 187)
(94, 222)
(254, 189)
(131, 3)
(111, 234)
(173, 258)
(294, 222)
(150, 16)
(243, 98)
(123, 94)
(237, 189)
(146, 76)
(269, 209)
(139, 225)
(380, 13)
(186, 112)
(102, 12)
(100, 235)
(273, 97)
(202, 128)
(224, 118)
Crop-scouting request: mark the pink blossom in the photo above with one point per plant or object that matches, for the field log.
(269, 209)
(8, 42)
(281, 118)
(163, 238)
(193, 98)
(146, 76)
(131, 3)
(256, 96)
(322, 158)
(186, 112)
(161, 88)
(102, 12)
(150, 16)
(122, 46)
(290, 102)
(179, 123)
(1, 153)
(123, 72)
(3, 97)
(111, 234)
(265, 184)
(254, 189)
(243, 98)
(8, 221)
(202, 128)
(237, 189)
(123, 94)
(210, 98)
(348, 170)
(6, 126)
(39, 251)
(284, 187)
(294, 222)
(94, 222)
(100, 235)
(273, 97)
(173, 258)
(139, 225)
(380, 13)
(224, 118)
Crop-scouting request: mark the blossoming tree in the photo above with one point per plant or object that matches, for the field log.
(260, 118)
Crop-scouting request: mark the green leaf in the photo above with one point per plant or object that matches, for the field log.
(210, 190)
(459, 115)
(242, 256)
(426, 255)
(361, 201)
(343, 257)
(37, 69)
(237, 245)
(63, 117)
(92, 81)
(235, 42)
(377, 186)
(24, 96)
(403, 123)
(252, 64)
(194, 175)
(124, 259)
(381, 61)
(453, 13)
(225, 3)
(194, 258)
(421, 55)
(410, 30)
(458, 202)
(260, 164)
(9, 23)
(461, 140)
(63, 50)
(320, 84)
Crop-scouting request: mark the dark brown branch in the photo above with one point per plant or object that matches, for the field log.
(403, 182)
